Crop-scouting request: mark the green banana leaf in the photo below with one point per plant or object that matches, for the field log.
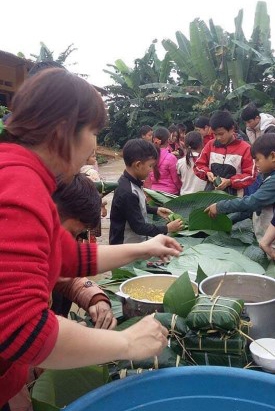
(198, 219)
(159, 197)
(213, 260)
(201, 55)
(128, 323)
(187, 242)
(223, 239)
(167, 358)
(180, 297)
(255, 253)
(200, 275)
(270, 271)
(187, 203)
(243, 231)
(55, 389)
(105, 187)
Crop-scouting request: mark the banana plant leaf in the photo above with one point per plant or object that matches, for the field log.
(195, 233)
(188, 242)
(220, 313)
(141, 265)
(167, 358)
(128, 323)
(180, 297)
(213, 260)
(55, 389)
(216, 342)
(187, 203)
(198, 219)
(255, 253)
(159, 197)
(105, 187)
(243, 230)
(270, 271)
(223, 239)
(123, 273)
(200, 275)
(225, 360)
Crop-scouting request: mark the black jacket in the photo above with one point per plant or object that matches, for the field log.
(129, 213)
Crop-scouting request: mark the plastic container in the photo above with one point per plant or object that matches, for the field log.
(196, 388)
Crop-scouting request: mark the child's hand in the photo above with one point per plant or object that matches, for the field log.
(164, 212)
(210, 176)
(226, 182)
(174, 226)
(160, 246)
(103, 211)
(212, 210)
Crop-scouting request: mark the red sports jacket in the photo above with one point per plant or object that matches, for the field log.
(233, 161)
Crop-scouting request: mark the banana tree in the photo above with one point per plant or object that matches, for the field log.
(129, 104)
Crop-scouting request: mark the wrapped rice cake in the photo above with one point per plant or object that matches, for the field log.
(220, 313)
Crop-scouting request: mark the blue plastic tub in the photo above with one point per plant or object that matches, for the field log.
(200, 388)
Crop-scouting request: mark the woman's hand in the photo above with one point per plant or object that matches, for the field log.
(102, 315)
(160, 246)
(145, 339)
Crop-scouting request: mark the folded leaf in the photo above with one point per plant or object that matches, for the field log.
(180, 296)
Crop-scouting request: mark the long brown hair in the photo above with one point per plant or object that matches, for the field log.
(51, 108)
(163, 134)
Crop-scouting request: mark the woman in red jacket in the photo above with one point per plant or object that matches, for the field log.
(51, 133)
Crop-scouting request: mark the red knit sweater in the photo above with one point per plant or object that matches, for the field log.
(34, 250)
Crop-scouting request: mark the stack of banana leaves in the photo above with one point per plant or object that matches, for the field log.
(210, 236)
(193, 339)
(171, 356)
(216, 333)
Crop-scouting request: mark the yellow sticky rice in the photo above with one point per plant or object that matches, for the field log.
(146, 293)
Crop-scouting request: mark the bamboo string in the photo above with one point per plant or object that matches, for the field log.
(219, 286)
(255, 341)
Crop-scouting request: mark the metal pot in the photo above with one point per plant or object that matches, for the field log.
(132, 307)
(257, 292)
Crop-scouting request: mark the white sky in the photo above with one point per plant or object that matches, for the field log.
(106, 30)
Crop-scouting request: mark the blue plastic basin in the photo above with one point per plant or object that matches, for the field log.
(200, 388)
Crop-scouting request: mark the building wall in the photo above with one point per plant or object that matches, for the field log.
(13, 71)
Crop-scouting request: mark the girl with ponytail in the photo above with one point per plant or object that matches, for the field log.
(190, 182)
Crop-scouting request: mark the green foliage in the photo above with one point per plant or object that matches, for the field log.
(3, 110)
(211, 70)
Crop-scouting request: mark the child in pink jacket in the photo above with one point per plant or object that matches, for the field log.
(164, 177)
